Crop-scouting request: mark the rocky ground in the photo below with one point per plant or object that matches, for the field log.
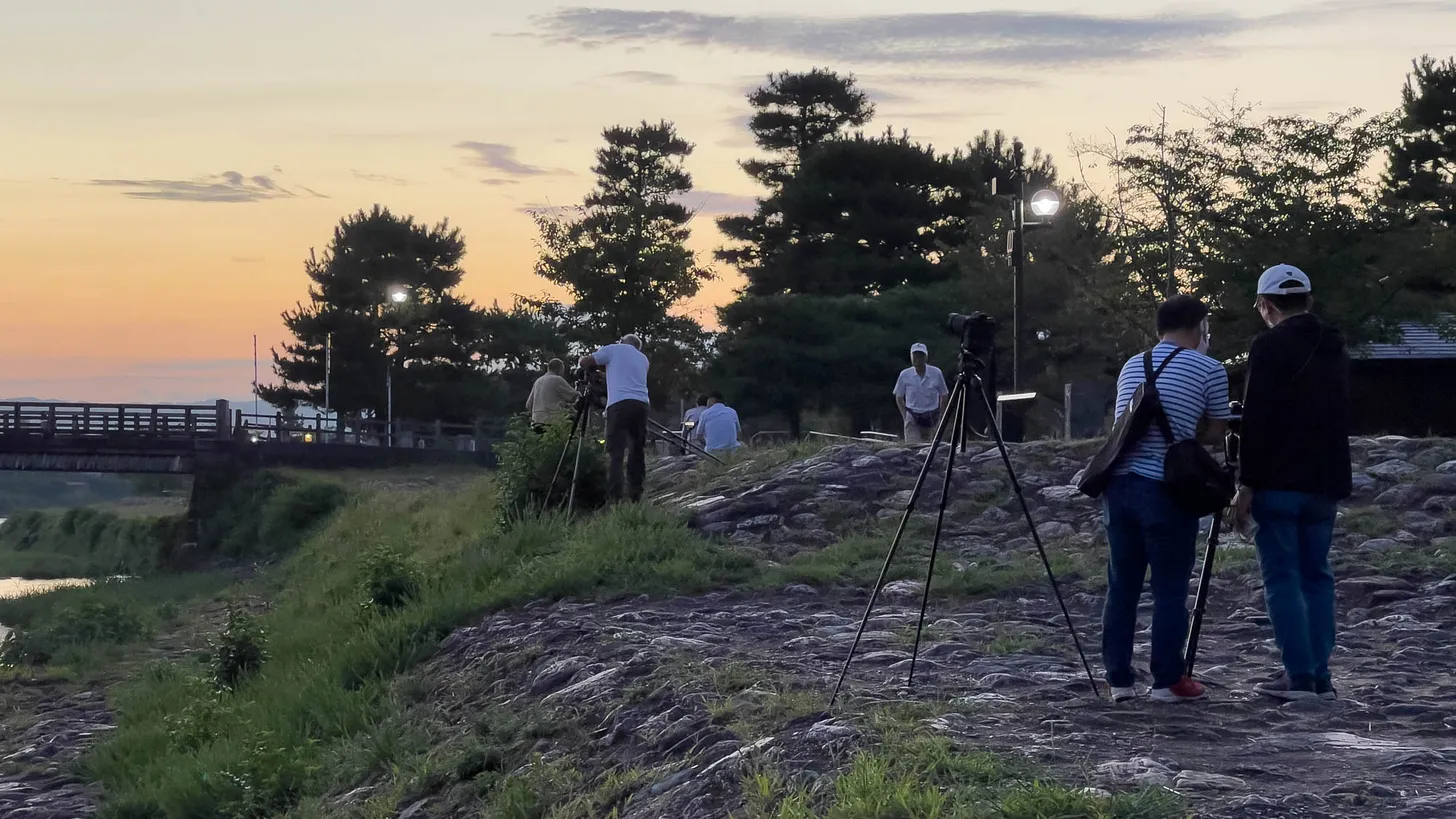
(674, 702)
(47, 726)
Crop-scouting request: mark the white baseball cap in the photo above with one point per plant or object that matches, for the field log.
(917, 347)
(1281, 279)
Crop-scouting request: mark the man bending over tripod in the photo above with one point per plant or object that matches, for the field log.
(1145, 526)
(627, 406)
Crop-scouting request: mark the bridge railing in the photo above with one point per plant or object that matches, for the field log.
(164, 421)
(366, 432)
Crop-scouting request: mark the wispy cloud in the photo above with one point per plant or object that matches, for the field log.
(645, 77)
(229, 186)
(378, 177)
(502, 159)
(1008, 39)
(496, 183)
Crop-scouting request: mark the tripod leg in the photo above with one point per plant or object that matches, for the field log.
(560, 462)
(956, 439)
(895, 543)
(1200, 601)
(576, 468)
(1036, 538)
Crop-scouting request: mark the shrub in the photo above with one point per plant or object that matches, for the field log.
(295, 509)
(528, 460)
(238, 652)
(390, 581)
(91, 620)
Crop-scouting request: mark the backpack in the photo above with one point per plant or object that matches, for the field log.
(1199, 484)
(1143, 410)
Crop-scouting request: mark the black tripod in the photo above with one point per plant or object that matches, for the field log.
(967, 380)
(659, 432)
(1200, 601)
(580, 424)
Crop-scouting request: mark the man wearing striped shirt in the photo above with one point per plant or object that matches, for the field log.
(1145, 528)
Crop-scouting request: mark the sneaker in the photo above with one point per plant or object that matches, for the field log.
(1325, 689)
(1185, 690)
(1281, 688)
(1128, 693)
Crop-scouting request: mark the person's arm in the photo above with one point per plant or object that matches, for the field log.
(944, 391)
(1215, 407)
(900, 394)
(1261, 386)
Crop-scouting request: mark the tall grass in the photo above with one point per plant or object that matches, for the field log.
(332, 654)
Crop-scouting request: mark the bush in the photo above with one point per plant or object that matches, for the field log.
(390, 581)
(89, 621)
(295, 509)
(528, 460)
(238, 652)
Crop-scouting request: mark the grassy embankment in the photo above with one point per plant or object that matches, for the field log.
(295, 705)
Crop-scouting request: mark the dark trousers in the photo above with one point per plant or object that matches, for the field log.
(626, 435)
(1146, 529)
(1295, 530)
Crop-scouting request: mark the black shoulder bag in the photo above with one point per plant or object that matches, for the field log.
(1145, 408)
(1199, 484)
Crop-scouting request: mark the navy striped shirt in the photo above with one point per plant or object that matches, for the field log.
(1193, 386)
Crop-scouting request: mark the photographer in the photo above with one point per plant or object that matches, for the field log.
(1295, 468)
(1146, 527)
(551, 394)
(627, 407)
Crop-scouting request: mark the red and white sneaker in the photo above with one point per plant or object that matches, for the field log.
(1185, 690)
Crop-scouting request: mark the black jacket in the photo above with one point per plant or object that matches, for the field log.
(1296, 427)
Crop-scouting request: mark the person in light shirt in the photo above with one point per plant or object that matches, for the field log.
(921, 395)
(691, 420)
(550, 395)
(627, 407)
(719, 423)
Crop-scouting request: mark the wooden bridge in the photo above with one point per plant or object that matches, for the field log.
(169, 438)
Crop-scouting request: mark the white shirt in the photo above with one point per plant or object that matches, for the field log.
(626, 372)
(720, 427)
(921, 392)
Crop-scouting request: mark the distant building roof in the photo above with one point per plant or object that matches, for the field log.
(1418, 341)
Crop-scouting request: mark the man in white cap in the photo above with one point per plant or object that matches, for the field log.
(921, 395)
(627, 407)
(1294, 467)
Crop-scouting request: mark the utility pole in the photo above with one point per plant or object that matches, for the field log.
(1018, 256)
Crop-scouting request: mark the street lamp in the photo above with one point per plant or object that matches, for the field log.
(1044, 205)
(397, 296)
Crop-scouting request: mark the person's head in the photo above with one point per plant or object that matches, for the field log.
(715, 398)
(631, 340)
(702, 400)
(918, 354)
(1284, 291)
(556, 366)
(1183, 320)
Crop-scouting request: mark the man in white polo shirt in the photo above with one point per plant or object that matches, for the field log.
(921, 394)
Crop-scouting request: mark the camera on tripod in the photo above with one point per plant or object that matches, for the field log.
(977, 332)
(591, 385)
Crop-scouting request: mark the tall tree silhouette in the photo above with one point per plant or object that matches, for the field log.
(432, 337)
(1421, 175)
(621, 253)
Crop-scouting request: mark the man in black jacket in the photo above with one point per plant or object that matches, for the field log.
(1295, 467)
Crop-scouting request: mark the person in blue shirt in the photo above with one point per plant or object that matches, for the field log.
(719, 423)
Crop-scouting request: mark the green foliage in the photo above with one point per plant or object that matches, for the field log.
(528, 460)
(1421, 175)
(86, 542)
(238, 652)
(65, 625)
(296, 508)
(390, 581)
(431, 338)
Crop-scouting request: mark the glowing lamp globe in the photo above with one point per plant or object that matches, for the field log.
(1046, 203)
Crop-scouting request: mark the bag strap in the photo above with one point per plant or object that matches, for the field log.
(1152, 376)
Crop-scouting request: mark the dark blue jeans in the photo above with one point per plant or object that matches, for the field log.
(1146, 529)
(1295, 529)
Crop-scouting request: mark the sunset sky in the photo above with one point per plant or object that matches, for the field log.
(167, 164)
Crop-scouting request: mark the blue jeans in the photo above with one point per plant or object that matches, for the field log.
(1295, 529)
(1146, 529)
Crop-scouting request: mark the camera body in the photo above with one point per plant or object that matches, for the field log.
(977, 332)
(591, 385)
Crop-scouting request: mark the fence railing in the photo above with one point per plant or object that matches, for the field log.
(366, 432)
(165, 421)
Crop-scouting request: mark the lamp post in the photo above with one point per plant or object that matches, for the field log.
(397, 296)
(1044, 204)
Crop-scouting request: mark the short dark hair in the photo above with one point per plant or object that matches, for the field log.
(1289, 302)
(716, 396)
(702, 400)
(1181, 312)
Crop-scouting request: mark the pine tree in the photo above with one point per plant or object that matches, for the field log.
(1421, 176)
(431, 337)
